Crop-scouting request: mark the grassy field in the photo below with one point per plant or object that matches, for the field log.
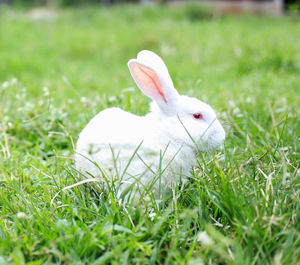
(241, 205)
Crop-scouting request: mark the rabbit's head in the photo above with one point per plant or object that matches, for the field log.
(184, 119)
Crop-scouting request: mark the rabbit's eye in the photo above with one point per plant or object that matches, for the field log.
(198, 116)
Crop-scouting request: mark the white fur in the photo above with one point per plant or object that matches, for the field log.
(169, 136)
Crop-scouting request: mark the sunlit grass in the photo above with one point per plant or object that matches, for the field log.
(241, 204)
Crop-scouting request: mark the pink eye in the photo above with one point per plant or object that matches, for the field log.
(198, 116)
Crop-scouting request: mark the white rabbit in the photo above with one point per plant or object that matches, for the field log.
(163, 144)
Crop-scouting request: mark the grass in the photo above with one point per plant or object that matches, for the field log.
(241, 205)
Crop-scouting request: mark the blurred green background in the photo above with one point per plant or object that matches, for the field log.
(61, 66)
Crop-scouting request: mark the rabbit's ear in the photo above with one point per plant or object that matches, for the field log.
(154, 81)
(155, 62)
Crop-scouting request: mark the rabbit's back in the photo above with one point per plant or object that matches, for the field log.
(110, 125)
(110, 140)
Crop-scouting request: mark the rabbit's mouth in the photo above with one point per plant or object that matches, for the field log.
(211, 140)
(212, 146)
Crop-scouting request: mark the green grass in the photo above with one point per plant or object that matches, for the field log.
(56, 74)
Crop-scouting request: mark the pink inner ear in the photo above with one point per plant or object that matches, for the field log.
(148, 81)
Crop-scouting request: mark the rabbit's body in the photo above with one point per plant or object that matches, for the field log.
(163, 144)
(105, 145)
